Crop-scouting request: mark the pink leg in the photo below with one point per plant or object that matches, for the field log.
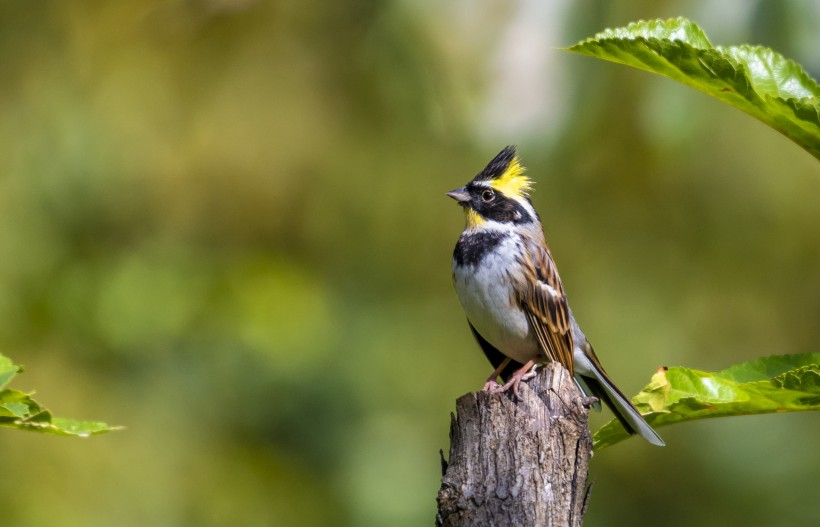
(525, 373)
(491, 385)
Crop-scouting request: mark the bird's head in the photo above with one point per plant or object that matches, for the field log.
(498, 194)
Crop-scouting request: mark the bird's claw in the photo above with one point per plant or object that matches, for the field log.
(530, 374)
(589, 402)
(517, 378)
(491, 386)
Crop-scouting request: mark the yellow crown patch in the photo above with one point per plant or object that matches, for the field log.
(512, 182)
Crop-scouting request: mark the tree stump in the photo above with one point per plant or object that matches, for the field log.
(518, 463)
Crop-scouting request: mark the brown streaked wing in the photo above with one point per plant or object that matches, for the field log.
(545, 304)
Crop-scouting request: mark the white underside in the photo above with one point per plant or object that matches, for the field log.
(486, 293)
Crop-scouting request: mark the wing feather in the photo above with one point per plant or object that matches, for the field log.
(543, 300)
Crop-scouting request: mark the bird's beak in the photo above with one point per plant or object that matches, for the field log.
(460, 194)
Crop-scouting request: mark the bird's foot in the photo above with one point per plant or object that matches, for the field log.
(525, 373)
(589, 402)
(491, 386)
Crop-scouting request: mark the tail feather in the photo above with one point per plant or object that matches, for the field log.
(602, 387)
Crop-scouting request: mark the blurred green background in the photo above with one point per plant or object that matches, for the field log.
(223, 225)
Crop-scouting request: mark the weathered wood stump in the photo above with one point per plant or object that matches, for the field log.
(518, 463)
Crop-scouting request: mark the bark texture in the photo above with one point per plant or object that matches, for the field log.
(518, 463)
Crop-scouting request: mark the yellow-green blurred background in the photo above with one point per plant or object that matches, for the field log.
(223, 225)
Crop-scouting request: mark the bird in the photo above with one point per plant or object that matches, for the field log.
(508, 284)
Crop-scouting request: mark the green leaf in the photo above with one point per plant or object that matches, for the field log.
(47, 424)
(18, 410)
(755, 79)
(7, 370)
(63, 426)
(780, 383)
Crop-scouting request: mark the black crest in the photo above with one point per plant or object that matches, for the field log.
(497, 166)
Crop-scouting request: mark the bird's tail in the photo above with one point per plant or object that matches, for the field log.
(604, 389)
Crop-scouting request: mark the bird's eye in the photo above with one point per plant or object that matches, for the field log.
(488, 195)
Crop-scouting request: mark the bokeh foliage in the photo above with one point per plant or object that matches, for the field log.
(223, 225)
